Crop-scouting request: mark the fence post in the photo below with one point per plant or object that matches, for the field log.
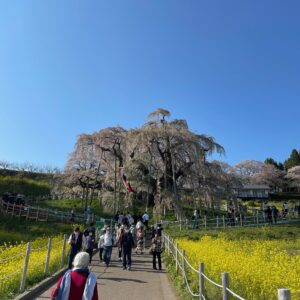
(186, 224)
(284, 294)
(176, 257)
(48, 256)
(37, 214)
(172, 247)
(13, 209)
(63, 251)
(201, 280)
(225, 284)
(241, 220)
(168, 242)
(28, 208)
(180, 225)
(257, 218)
(24, 274)
(205, 223)
(224, 224)
(217, 221)
(183, 266)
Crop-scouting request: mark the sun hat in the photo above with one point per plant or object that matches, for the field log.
(81, 260)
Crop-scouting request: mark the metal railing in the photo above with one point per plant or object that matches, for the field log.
(181, 264)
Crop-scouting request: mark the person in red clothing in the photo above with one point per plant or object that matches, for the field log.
(78, 283)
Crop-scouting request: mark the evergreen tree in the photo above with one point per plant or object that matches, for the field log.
(271, 161)
(293, 160)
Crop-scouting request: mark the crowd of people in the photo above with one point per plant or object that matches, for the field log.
(128, 233)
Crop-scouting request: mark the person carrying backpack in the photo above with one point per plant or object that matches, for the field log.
(90, 244)
(127, 243)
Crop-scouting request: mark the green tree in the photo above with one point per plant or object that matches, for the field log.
(293, 160)
(271, 161)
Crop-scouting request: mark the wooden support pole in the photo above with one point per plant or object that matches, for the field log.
(176, 257)
(63, 250)
(201, 280)
(183, 266)
(37, 213)
(48, 256)
(25, 268)
(225, 284)
(284, 294)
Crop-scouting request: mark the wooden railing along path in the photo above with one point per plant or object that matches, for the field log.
(45, 214)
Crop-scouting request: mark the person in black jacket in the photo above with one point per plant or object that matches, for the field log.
(127, 244)
(77, 241)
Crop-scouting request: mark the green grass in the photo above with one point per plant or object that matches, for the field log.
(26, 186)
(67, 204)
(15, 230)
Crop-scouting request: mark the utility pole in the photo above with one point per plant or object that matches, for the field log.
(115, 187)
(149, 178)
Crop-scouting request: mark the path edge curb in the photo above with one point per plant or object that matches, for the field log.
(36, 289)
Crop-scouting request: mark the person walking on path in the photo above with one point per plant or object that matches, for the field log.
(156, 251)
(77, 241)
(90, 244)
(108, 242)
(72, 219)
(78, 283)
(100, 242)
(145, 219)
(120, 234)
(195, 218)
(127, 244)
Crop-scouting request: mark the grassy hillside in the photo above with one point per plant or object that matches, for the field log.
(67, 204)
(15, 230)
(25, 186)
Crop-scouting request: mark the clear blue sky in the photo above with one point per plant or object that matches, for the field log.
(230, 68)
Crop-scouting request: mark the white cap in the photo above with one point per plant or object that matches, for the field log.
(81, 260)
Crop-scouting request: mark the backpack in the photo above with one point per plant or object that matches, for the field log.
(127, 240)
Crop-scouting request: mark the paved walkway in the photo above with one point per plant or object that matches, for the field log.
(141, 283)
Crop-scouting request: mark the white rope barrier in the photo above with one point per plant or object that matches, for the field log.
(216, 284)
(39, 249)
(197, 271)
(188, 286)
(11, 257)
(10, 275)
(234, 294)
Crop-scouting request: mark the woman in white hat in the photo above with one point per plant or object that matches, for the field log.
(78, 283)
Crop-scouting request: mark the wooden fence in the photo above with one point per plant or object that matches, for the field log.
(44, 214)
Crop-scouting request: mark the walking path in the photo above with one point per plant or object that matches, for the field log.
(142, 282)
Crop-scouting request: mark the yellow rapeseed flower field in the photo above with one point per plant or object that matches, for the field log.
(12, 263)
(256, 268)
